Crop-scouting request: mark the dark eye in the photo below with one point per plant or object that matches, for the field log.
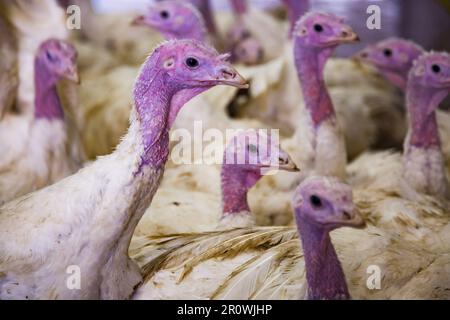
(318, 27)
(315, 201)
(49, 56)
(164, 14)
(387, 52)
(192, 62)
(436, 68)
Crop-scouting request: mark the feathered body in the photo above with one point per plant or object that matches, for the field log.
(92, 214)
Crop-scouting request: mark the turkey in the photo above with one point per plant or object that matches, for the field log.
(36, 151)
(363, 101)
(32, 22)
(269, 263)
(245, 157)
(422, 168)
(318, 146)
(174, 20)
(394, 58)
(87, 219)
(105, 115)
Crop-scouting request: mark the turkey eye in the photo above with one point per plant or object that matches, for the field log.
(50, 57)
(435, 68)
(387, 52)
(164, 14)
(318, 27)
(192, 62)
(315, 201)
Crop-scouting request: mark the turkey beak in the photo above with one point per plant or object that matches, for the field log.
(71, 74)
(353, 219)
(287, 164)
(348, 36)
(227, 75)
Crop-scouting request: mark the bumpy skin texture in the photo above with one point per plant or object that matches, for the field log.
(36, 150)
(175, 20)
(322, 205)
(103, 202)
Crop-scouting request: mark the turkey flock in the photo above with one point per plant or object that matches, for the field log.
(88, 177)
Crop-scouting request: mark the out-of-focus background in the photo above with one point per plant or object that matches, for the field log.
(424, 21)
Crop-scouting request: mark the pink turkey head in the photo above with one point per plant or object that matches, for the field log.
(431, 73)
(256, 149)
(323, 30)
(59, 58)
(192, 64)
(175, 20)
(394, 58)
(326, 203)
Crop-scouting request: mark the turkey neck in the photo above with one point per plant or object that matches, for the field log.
(310, 64)
(421, 103)
(158, 102)
(196, 32)
(240, 7)
(204, 7)
(46, 100)
(235, 183)
(295, 8)
(326, 279)
(422, 153)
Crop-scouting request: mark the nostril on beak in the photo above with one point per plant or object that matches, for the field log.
(282, 160)
(228, 75)
(344, 33)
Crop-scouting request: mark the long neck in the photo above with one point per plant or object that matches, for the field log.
(295, 9)
(46, 100)
(421, 104)
(235, 183)
(158, 102)
(310, 65)
(197, 31)
(326, 279)
(239, 7)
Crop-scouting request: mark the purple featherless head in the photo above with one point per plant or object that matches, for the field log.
(394, 58)
(323, 30)
(188, 64)
(175, 19)
(59, 58)
(255, 149)
(432, 70)
(326, 203)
